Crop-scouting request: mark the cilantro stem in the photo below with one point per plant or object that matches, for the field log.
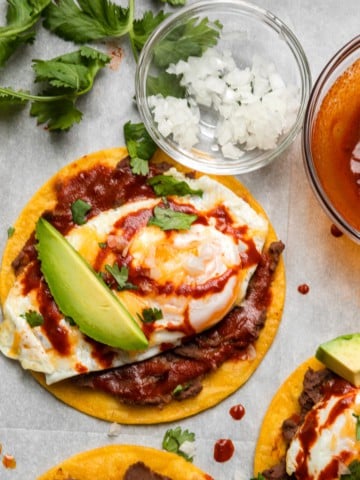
(34, 98)
(131, 29)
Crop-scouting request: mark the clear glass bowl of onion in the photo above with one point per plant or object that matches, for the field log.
(222, 86)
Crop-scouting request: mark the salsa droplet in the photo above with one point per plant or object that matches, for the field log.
(237, 411)
(223, 450)
(335, 231)
(9, 461)
(303, 289)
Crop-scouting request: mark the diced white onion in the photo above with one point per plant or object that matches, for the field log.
(253, 105)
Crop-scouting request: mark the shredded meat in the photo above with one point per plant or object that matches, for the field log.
(155, 381)
(140, 471)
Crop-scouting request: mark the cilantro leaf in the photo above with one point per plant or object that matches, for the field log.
(34, 319)
(21, 17)
(9, 44)
(140, 146)
(89, 20)
(149, 315)
(165, 185)
(10, 232)
(168, 219)
(60, 115)
(66, 78)
(175, 438)
(142, 28)
(79, 209)
(166, 84)
(121, 276)
(354, 474)
(189, 39)
(73, 71)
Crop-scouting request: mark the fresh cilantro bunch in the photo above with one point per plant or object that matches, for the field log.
(65, 79)
(21, 17)
(88, 20)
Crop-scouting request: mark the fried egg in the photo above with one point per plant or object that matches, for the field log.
(194, 276)
(327, 442)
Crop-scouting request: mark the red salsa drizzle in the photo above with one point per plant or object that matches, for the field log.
(57, 334)
(308, 434)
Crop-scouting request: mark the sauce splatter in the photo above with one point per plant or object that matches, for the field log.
(237, 411)
(303, 289)
(223, 450)
(335, 231)
(9, 461)
(116, 54)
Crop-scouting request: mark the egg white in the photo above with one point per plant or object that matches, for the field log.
(333, 438)
(185, 257)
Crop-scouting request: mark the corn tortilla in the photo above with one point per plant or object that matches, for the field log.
(271, 446)
(217, 385)
(111, 462)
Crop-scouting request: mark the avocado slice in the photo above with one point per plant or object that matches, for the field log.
(342, 356)
(82, 295)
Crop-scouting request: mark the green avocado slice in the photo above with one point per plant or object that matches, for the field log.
(82, 295)
(342, 356)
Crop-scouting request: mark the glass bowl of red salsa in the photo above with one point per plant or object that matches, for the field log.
(331, 139)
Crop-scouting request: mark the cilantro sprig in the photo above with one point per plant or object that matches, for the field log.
(89, 20)
(149, 315)
(33, 318)
(165, 185)
(168, 219)
(21, 17)
(174, 441)
(121, 276)
(65, 79)
(140, 146)
(79, 209)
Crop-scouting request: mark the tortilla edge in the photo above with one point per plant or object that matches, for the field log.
(270, 446)
(115, 459)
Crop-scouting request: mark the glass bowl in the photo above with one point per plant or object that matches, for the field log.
(331, 139)
(243, 81)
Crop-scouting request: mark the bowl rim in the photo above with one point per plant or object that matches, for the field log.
(310, 115)
(226, 166)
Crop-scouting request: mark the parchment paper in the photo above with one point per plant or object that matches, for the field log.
(37, 429)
